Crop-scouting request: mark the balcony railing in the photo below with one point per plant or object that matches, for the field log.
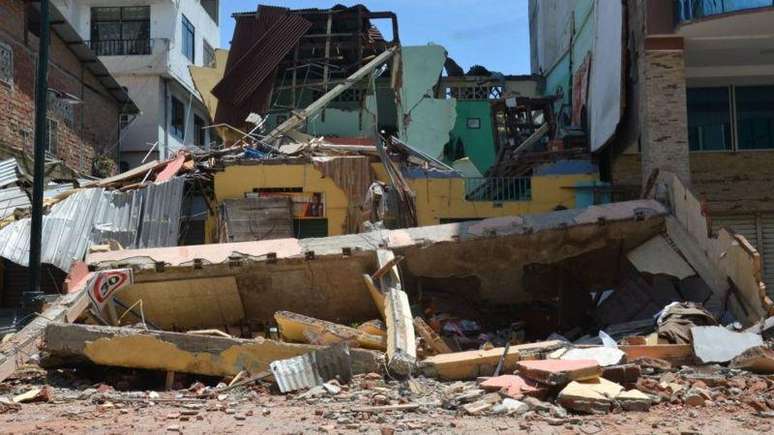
(694, 9)
(498, 189)
(122, 47)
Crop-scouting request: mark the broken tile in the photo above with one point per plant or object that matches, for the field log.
(718, 344)
(559, 372)
(514, 386)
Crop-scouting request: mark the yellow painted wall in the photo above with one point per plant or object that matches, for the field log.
(436, 198)
(236, 180)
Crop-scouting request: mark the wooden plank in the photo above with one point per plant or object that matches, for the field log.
(432, 339)
(178, 352)
(474, 363)
(677, 354)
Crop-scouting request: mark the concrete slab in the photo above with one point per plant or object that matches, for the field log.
(593, 397)
(634, 400)
(718, 344)
(559, 372)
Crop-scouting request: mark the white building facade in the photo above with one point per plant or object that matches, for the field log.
(148, 46)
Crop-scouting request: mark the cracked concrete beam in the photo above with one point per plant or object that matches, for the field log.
(401, 341)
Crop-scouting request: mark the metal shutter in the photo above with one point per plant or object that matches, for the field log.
(767, 224)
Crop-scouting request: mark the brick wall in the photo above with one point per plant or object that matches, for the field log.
(663, 113)
(84, 130)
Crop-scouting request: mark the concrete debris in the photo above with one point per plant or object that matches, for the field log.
(590, 396)
(718, 344)
(43, 394)
(634, 400)
(759, 359)
(559, 372)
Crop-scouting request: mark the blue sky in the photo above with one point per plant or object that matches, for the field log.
(493, 33)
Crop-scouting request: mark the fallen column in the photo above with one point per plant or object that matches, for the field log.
(304, 329)
(178, 352)
(401, 341)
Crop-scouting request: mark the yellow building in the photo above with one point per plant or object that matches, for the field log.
(438, 200)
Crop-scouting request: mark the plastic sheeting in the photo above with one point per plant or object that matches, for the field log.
(607, 66)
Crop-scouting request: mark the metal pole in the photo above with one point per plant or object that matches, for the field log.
(32, 294)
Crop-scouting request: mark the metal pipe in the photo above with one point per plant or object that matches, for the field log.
(32, 293)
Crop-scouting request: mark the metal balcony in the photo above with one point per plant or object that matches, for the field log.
(498, 189)
(122, 47)
(688, 10)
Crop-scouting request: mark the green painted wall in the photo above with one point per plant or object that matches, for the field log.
(479, 144)
(425, 122)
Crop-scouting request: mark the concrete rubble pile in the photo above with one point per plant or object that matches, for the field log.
(373, 340)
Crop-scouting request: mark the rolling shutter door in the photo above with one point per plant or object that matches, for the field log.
(767, 224)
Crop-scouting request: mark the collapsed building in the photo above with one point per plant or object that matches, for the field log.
(323, 210)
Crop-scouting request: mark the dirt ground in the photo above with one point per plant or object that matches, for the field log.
(88, 402)
(273, 414)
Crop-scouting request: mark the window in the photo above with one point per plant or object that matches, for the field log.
(709, 119)
(209, 55)
(200, 133)
(474, 123)
(6, 64)
(121, 31)
(755, 117)
(731, 118)
(177, 126)
(53, 131)
(188, 44)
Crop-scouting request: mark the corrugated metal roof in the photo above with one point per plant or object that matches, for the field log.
(148, 217)
(258, 63)
(14, 197)
(8, 173)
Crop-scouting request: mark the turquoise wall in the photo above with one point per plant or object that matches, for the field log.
(479, 143)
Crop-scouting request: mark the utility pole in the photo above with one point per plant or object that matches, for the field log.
(31, 297)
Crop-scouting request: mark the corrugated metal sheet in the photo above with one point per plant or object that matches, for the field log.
(313, 368)
(14, 197)
(161, 215)
(258, 63)
(8, 172)
(147, 217)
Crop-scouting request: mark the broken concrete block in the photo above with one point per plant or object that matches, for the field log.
(559, 372)
(43, 394)
(182, 353)
(304, 329)
(481, 405)
(759, 359)
(718, 344)
(594, 396)
(510, 407)
(693, 397)
(622, 374)
(634, 400)
(604, 356)
(514, 386)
